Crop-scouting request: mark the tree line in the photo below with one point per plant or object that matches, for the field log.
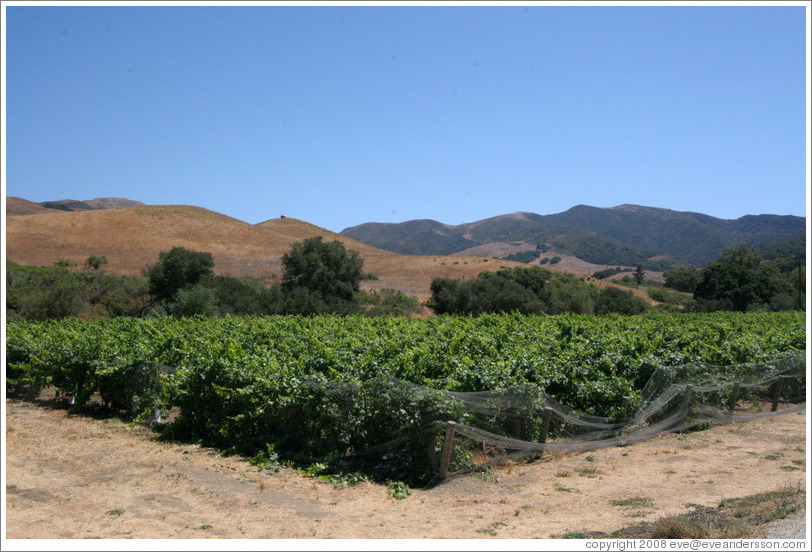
(321, 278)
(529, 290)
(318, 278)
(744, 280)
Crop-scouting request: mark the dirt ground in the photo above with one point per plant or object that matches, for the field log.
(72, 477)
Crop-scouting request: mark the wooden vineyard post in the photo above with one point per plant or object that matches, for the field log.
(686, 400)
(734, 397)
(624, 405)
(777, 389)
(546, 416)
(448, 446)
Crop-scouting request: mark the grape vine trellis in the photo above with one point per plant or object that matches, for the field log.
(342, 390)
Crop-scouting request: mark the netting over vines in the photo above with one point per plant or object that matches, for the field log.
(523, 422)
(509, 424)
(376, 395)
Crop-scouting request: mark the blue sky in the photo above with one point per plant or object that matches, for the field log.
(341, 115)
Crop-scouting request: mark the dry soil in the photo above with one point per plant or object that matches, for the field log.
(73, 477)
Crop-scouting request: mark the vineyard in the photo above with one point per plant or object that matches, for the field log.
(373, 395)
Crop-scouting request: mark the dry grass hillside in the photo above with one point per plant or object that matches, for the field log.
(18, 206)
(132, 238)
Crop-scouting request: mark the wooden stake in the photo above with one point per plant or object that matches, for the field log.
(734, 397)
(686, 400)
(448, 445)
(546, 416)
(777, 389)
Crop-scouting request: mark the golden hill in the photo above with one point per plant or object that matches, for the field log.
(132, 238)
(19, 206)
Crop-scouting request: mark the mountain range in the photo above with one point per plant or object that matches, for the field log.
(626, 235)
(404, 256)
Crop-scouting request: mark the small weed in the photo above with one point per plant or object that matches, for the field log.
(116, 512)
(589, 458)
(767, 506)
(204, 527)
(491, 529)
(344, 479)
(267, 459)
(789, 468)
(561, 488)
(798, 462)
(574, 535)
(562, 474)
(633, 502)
(680, 527)
(398, 490)
(313, 470)
(773, 456)
(590, 471)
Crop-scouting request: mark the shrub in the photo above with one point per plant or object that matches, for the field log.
(612, 299)
(195, 300)
(177, 269)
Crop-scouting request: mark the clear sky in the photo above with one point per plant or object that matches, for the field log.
(341, 115)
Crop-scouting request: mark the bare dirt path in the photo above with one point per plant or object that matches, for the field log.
(73, 477)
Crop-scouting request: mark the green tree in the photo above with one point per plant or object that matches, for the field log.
(243, 295)
(196, 300)
(62, 299)
(565, 293)
(443, 292)
(495, 294)
(740, 280)
(639, 275)
(797, 280)
(614, 300)
(532, 277)
(328, 273)
(683, 279)
(176, 269)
